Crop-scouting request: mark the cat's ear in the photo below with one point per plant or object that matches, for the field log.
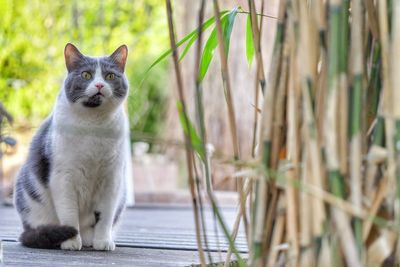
(72, 56)
(119, 57)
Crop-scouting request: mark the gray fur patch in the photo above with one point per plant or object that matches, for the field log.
(97, 215)
(20, 201)
(39, 159)
(120, 208)
(28, 184)
(119, 84)
(74, 84)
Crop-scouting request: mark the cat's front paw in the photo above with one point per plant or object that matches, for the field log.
(74, 243)
(104, 244)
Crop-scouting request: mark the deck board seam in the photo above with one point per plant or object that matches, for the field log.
(122, 245)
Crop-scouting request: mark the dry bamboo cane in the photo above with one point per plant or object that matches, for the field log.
(200, 119)
(387, 106)
(254, 142)
(278, 235)
(278, 121)
(320, 94)
(376, 153)
(187, 138)
(356, 114)
(277, 130)
(256, 89)
(341, 220)
(258, 79)
(311, 134)
(372, 18)
(261, 190)
(343, 104)
(236, 224)
(395, 64)
(231, 109)
(257, 41)
(293, 149)
(306, 258)
(206, 162)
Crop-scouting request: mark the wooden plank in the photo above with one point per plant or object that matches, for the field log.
(16, 255)
(149, 227)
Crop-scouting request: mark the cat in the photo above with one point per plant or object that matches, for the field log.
(71, 190)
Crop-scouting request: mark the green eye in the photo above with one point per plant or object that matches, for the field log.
(86, 75)
(110, 76)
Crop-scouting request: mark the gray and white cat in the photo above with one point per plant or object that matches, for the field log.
(71, 190)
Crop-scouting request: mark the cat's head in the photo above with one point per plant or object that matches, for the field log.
(95, 83)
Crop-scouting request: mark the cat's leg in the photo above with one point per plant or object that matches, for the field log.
(87, 234)
(66, 204)
(87, 222)
(105, 211)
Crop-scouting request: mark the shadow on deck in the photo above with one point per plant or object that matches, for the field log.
(148, 236)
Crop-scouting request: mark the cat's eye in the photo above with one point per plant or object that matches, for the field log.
(86, 75)
(110, 76)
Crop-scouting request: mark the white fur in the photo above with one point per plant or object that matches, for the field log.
(91, 158)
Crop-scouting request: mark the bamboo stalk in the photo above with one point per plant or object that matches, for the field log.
(231, 109)
(200, 120)
(379, 197)
(261, 223)
(372, 18)
(311, 134)
(236, 224)
(395, 68)
(356, 113)
(257, 40)
(188, 144)
(313, 140)
(346, 236)
(306, 216)
(343, 103)
(293, 150)
(277, 236)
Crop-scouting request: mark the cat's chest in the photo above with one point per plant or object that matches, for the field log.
(92, 149)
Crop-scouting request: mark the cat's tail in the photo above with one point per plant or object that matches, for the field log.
(47, 236)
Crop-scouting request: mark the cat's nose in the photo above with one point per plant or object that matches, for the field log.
(99, 85)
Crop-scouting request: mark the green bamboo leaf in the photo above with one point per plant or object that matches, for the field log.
(249, 42)
(208, 53)
(227, 27)
(190, 43)
(190, 131)
(192, 36)
(212, 42)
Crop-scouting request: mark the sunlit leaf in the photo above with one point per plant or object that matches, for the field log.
(208, 53)
(190, 131)
(192, 36)
(249, 42)
(212, 42)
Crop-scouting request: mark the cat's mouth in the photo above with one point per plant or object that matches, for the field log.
(93, 101)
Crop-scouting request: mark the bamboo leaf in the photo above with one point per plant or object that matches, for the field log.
(208, 53)
(227, 28)
(191, 132)
(249, 42)
(191, 37)
(190, 43)
(212, 42)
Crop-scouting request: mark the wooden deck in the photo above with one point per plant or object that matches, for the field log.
(148, 236)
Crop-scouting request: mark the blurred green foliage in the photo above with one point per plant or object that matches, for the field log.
(32, 39)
